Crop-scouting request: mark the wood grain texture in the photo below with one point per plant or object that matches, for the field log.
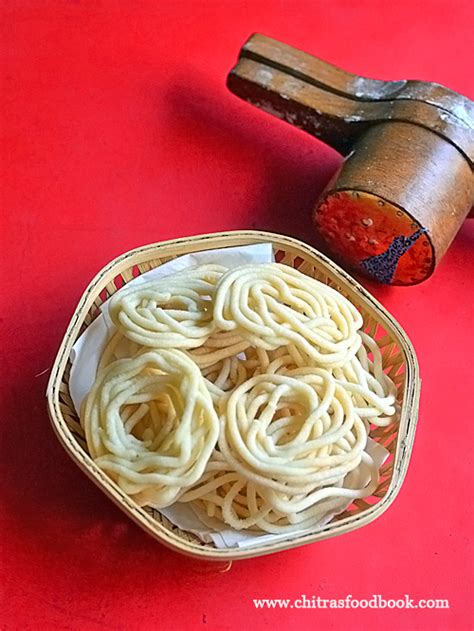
(407, 166)
(410, 143)
(331, 78)
(273, 69)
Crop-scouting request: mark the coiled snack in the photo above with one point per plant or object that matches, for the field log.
(172, 312)
(219, 346)
(372, 391)
(224, 495)
(150, 424)
(273, 305)
(285, 446)
(292, 432)
(261, 420)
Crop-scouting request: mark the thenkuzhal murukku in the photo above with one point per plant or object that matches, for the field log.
(264, 413)
(150, 424)
(273, 305)
(292, 433)
(171, 312)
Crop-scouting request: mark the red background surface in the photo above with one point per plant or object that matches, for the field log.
(117, 130)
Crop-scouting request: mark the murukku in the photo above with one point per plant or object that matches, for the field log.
(273, 305)
(171, 312)
(292, 432)
(373, 392)
(261, 417)
(221, 345)
(150, 424)
(225, 495)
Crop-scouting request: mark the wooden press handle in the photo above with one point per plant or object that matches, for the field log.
(336, 106)
(329, 77)
(407, 182)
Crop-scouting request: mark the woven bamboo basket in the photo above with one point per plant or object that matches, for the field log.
(399, 362)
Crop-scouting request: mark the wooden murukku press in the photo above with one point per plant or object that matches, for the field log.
(406, 183)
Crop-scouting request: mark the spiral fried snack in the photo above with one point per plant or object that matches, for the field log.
(172, 312)
(286, 443)
(226, 374)
(372, 391)
(150, 425)
(224, 495)
(273, 305)
(118, 347)
(279, 358)
(292, 432)
(219, 346)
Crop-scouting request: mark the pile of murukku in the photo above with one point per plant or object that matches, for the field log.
(247, 393)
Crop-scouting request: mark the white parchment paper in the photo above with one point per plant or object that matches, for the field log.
(85, 357)
(87, 350)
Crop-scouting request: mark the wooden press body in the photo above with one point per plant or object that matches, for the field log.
(406, 184)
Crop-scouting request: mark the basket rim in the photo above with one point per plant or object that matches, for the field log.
(167, 537)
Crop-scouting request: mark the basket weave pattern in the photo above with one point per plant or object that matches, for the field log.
(399, 363)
